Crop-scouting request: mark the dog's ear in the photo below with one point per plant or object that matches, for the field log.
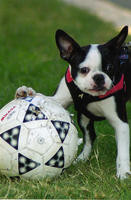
(117, 41)
(66, 45)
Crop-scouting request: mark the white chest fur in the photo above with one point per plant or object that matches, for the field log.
(104, 108)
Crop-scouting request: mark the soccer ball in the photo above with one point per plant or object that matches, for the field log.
(37, 138)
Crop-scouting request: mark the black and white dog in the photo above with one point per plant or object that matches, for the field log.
(98, 81)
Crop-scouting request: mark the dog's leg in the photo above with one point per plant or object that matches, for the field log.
(89, 136)
(123, 155)
(62, 94)
(122, 140)
(122, 134)
(114, 111)
(123, 143)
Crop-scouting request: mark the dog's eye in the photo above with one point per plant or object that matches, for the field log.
(84, 70)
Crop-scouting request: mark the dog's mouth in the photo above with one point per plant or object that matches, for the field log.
(98, 89)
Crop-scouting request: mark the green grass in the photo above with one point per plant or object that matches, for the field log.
(28, 56)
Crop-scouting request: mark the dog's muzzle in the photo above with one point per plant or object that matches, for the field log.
(99, 81)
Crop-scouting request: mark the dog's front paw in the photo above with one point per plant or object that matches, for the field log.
(24, 92)
(82, 157)
(123, 175)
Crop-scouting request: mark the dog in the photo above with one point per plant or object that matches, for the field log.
(98, 82)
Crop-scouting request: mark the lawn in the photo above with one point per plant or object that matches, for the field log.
(28, 56)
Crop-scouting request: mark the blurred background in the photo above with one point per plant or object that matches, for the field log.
(125, 4)
(28, 53)
(118, 12)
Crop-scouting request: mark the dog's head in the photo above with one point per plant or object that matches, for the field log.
(92, 67)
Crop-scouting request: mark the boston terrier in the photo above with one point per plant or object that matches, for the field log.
(98, 82)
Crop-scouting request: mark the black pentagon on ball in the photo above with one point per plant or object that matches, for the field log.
(62, 128)
(11, 136)
(57, 160)
(26, 164)
(34, 113)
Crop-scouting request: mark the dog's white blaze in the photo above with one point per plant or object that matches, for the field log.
(93, 58)
(93, 61)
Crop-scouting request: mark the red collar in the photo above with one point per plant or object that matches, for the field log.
(117, 87)
(68, 76)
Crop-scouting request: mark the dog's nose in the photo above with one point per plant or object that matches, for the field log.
(99, 79)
